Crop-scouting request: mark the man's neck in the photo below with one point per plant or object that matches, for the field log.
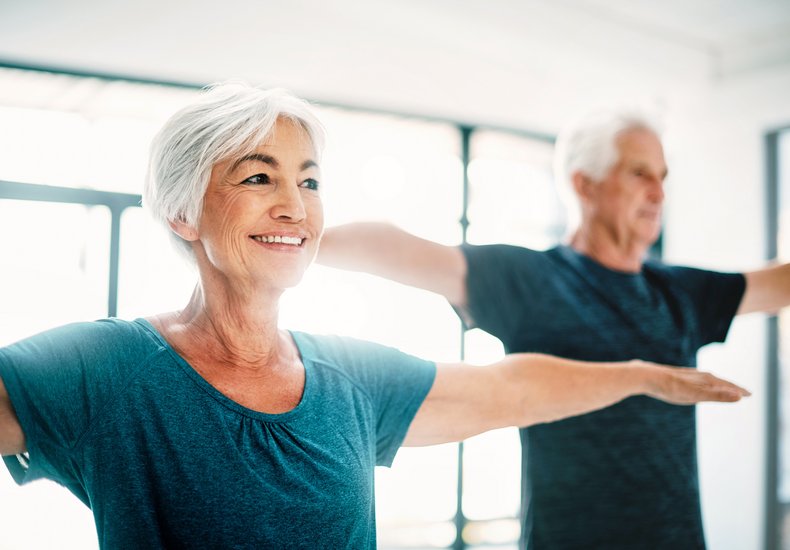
(625, 256)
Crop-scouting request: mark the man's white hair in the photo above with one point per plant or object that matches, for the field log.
(589, 146)
(228, 120)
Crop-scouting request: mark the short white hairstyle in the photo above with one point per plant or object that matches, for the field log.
(226, 121)
(589, 146)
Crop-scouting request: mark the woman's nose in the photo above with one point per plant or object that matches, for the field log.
(289, 204)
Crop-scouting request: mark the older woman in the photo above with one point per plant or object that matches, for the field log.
(211, 427)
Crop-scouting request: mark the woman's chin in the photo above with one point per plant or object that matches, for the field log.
(285, 281)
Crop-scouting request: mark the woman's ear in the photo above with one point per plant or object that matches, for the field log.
(183, 229)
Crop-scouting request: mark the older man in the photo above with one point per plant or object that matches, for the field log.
(624, 477)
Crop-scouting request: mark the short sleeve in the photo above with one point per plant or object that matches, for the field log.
(396, 384)
(401, 386)
(714, 296)
(57, 382)
(499, 284)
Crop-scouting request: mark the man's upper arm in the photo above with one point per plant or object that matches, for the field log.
(446, 273)
(12, 440)
(389, 252)
(767, 290)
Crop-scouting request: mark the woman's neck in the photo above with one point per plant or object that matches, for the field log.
(233, 325)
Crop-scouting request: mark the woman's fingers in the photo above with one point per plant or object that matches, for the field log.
(687, 386)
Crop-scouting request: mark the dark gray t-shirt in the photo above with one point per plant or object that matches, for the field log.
(165, 460)
(624, 477)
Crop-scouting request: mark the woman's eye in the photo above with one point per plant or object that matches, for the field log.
(311, 184)
(257, 179)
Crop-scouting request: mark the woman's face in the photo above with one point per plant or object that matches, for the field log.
(262, 214)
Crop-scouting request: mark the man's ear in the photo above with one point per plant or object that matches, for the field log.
(583, 186)
(183, 229)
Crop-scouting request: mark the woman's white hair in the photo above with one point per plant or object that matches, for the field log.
(589, 146)
(228, 120)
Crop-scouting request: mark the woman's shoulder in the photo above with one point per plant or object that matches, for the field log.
(331, 347)
(95, 340)
(376, 369)
(351, 354)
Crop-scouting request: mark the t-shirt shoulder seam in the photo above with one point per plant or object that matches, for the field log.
(328, 364)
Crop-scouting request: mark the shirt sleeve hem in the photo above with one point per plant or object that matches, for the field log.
(388, 456)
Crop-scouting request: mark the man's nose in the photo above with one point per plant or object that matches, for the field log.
(656, 192)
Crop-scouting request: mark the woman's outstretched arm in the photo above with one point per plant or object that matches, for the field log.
(527, 388)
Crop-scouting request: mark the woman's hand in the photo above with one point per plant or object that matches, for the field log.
(683, 386)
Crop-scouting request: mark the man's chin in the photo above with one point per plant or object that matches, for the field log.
(651, 238)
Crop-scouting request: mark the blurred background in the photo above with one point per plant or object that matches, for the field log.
(415, 94)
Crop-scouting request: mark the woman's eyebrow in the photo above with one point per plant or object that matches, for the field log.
(260, 157)
(271, 161)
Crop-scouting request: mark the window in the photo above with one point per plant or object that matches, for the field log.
(512, 197)
(53, 268)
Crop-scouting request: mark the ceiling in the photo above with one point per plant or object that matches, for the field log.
(512, 62)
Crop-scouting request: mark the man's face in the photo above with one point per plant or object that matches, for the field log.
(628, 201)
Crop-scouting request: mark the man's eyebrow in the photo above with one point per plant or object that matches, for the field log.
(266, 159)
(645, 166)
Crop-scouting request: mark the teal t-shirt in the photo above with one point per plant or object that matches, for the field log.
(164, 460)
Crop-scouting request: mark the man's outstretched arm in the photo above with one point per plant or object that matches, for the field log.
(767, 290)
(389, 252)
